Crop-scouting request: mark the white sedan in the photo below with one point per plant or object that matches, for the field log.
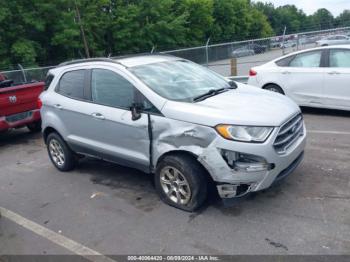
(334, 40)
(317, 77)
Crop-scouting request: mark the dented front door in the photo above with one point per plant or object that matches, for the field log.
(118, 138)
(112, 133)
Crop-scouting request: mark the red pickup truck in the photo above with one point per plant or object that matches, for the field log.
(18, 105)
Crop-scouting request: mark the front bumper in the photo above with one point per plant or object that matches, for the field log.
(233, 183)
(32, 117)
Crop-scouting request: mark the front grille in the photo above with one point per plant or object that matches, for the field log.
(289, 134)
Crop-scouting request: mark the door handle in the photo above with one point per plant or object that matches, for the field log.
(285, 72)
(58, 106)
(333, 73)
(98, 116)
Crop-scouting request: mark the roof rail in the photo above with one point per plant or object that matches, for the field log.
(140, 54)
(78, 61)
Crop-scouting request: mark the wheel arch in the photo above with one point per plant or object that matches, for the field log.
(181, 152)
(48, 130)
(272, 83)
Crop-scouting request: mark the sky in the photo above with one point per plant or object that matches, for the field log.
(310, 6)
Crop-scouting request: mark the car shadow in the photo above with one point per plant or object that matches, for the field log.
(323, 111)
(137, 188)
(17, 137)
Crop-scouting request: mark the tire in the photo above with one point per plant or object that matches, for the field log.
(183, 177)
(60, 154)
(35, 126)
(274, 88)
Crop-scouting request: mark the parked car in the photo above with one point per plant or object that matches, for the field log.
(18, 105)
(242, 51)
(288, 43)
(317, 77)
(175, 119)
(258, 49)
(334, 40)
(275, 44)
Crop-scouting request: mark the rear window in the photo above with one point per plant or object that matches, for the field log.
(307, 59)
(285, 61)
(48, 81)
(72, 84)
(339, 58)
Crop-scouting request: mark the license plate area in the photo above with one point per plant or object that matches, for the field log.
(18, 117)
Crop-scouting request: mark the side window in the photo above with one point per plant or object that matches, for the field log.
(285, 61)
(339, 58)
(48, 81)
(110, 89)
(309, 59)
(148, 106)
(72, 84)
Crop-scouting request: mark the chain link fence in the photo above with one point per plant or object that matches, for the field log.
(250, 53)
(227, 59)
(29, 75)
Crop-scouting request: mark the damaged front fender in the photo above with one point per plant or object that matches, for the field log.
(173, 135)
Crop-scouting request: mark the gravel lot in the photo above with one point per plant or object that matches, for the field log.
(115, 210)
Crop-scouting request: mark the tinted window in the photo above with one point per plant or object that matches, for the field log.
(72, 84)
(284, 61)
(48, 81)
(309, 59)
(111, 89)
(147, 106)
(339, 58)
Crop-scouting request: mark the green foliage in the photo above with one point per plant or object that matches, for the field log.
(41, 32)
(343, 19)
(323, 19)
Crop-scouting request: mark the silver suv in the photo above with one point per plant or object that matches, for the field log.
(175, 119)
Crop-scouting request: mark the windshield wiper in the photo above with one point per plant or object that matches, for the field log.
(211, 92)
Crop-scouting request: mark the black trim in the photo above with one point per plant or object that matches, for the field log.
(87, 86)
(150, 136)
(325, 58)
(289, 170)
(107, 157)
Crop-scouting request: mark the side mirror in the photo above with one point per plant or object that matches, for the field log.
(232, 84)
(135, 111)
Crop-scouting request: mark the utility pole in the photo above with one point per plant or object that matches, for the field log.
(207, 51)
(283, 39)
(86, 47)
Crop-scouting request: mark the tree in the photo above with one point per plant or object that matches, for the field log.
(343, 19)
(322, 19)
(41, 32)
(231, 20)
(199, 19)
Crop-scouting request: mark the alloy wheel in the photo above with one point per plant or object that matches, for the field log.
(56, 152)
(175, 185)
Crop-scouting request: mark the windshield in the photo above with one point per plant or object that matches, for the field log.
(179, 80)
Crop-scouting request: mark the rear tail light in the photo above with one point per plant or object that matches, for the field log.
(252, 72)
(39, 103)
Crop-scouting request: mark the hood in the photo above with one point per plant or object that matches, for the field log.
(245, 105)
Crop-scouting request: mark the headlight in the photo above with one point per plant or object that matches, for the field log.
(244, 133)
